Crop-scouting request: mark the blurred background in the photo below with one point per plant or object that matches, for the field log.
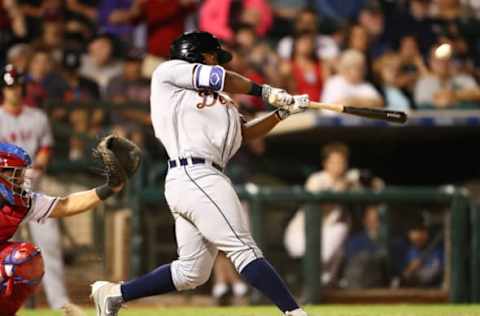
(347, 209)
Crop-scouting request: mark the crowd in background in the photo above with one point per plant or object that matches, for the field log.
(358, 52)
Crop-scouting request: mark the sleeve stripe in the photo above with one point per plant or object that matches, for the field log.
(48, 210)
(197, 76)
(194, 72)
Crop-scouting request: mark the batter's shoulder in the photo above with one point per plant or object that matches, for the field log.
(167, 66)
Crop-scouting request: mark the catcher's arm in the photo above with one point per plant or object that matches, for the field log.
(78, 202)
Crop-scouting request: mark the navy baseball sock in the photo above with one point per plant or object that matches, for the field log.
(261, 275)
(159, 281)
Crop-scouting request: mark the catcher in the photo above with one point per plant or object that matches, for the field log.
(21, 264)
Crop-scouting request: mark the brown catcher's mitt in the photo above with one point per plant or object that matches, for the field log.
(120, 157)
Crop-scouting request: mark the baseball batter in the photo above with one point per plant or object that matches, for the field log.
(201, 129)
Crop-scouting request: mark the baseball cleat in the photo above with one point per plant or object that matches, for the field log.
(107, 298)
(296, 312)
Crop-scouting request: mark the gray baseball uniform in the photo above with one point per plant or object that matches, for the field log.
(201, 131)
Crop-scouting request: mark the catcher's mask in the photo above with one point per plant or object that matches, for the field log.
(190, 47)
(14, 161)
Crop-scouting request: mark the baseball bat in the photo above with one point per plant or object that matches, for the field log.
(385, 115)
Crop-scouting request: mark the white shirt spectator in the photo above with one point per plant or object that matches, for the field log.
(426, 87)
(337, 89)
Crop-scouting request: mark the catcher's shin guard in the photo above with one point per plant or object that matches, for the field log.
(21, 270)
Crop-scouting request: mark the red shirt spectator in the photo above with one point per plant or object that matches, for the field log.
(215, 17)
(311, 82)
(165, 21)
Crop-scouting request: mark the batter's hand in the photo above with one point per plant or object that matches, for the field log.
(300, 104)
(276, 97)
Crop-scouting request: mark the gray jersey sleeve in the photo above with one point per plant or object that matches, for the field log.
(194, 76)
(41, 207)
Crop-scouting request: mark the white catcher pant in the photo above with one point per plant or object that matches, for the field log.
(208, 217)
(47, 236)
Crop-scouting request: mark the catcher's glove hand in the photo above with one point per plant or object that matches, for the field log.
(120, 157)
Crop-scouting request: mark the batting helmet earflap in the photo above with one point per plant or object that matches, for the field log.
(190, 46)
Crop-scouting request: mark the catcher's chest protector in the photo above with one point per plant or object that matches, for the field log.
(21, 270)
(10, 219)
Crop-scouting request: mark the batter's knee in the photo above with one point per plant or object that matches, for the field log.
(186, 276)
(243, 254)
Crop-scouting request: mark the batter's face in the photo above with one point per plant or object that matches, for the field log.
(210, 59)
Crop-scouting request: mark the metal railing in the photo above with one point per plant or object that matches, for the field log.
(463, 280)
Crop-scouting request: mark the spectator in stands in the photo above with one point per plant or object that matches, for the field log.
(304, 73)
(412, 65)
(37, 12)
(443, 90)
(42, 82)
(84, 11)
(424, 260)
(348, 87)
(19, 56)
(165, 21)
(221, 17)
(51, 39)
(245, 38)
(131, 87)
(339, 11)
(365, 258)
(387, 70)
(371, 17)
(288, 9)
(307, 22)
(108, 24)
(82, 90)
(100, 64)
(416, 21)
(358, 38)
(12, 26)
(285, 11)
(334, 225)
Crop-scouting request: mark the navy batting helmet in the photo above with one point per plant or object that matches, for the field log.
(10, 77)
(190, 46)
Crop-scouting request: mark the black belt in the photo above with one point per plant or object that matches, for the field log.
(194, 161)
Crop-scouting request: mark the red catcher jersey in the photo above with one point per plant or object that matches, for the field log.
(12, 216)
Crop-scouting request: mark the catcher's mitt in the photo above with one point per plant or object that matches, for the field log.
(120, 157)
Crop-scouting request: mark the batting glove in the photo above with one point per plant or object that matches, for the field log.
(276, 97)
(300, 104)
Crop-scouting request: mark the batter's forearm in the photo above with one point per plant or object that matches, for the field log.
(236, 83)
(260, 127)
(76, 203)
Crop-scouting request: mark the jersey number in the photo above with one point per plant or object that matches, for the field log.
(207, 102)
